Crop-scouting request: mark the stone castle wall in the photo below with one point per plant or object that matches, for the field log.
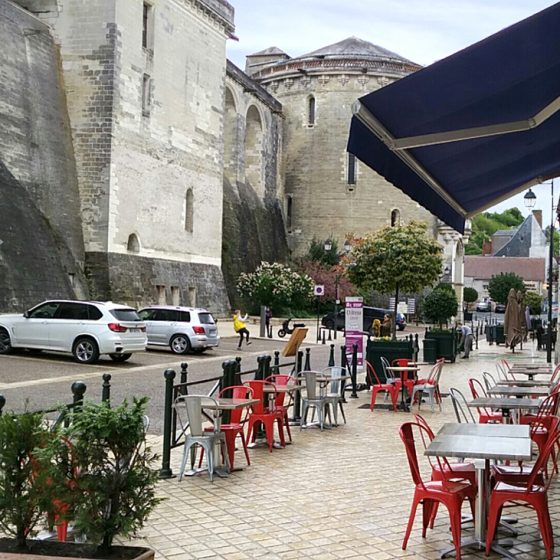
(41, 244)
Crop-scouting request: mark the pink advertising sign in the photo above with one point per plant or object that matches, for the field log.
(354, 326)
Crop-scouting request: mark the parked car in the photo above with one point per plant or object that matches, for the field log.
(183, 329)
(86, 329)
(483, 307)
(369, 314)
(500, 308)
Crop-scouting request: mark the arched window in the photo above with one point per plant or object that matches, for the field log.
(189, 211)
(133, 244)
(395, 218)
(311, 111)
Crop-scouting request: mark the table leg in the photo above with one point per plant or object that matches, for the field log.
(404, 405)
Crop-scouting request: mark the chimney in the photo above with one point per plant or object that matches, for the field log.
(486, 247)
(538, 216)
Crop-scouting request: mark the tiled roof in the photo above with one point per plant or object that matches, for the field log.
(530, 269)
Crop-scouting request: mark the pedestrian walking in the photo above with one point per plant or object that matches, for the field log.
(466, 340)
(267, 318)
(240, 327)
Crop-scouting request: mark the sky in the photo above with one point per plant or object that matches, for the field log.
(421, 30)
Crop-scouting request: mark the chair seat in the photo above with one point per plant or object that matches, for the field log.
(506, 488)
(514, 474)
(446, 486)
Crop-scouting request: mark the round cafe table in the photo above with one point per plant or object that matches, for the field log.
(401, 370)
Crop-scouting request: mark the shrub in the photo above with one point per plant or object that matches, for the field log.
(440, 305)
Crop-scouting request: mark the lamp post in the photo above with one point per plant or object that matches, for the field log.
(530, 199)
(328, 246)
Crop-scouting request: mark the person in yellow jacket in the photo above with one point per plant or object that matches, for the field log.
(240, 327)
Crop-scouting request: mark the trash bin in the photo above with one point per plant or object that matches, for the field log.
(500, 336)
(430, 350)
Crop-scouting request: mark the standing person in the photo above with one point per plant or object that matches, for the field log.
(240, 327)
(387, 326)
(466, 340)
(267, 318)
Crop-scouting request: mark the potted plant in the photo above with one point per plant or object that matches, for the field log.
(439, 306)
(112, 489)
(388, 348)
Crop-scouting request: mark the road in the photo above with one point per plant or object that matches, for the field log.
(42, 381)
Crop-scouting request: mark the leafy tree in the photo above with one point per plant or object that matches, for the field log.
(484, 225)
(499, 286)
(470, 295)
(275, 285)
(318, 253)
(533, 301)
(392, 259)
(440, 305)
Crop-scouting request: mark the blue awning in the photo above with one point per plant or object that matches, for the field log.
(472, 129)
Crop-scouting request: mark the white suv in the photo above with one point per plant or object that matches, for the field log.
(183, 329)
(85, 329)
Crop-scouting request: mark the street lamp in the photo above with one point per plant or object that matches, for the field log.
(347, 247)
(530, 200)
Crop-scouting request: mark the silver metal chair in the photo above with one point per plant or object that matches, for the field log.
(489, 380)
(335, 390)
(430, 387)
(462, 411)
(314, 398)
(192, 406)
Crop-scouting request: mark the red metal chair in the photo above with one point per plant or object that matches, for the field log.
(450, 492)
(235, 426)
(265, 412)
(409, 377)
(485, 415)
(392, 389)
(530, 494)
(283, 400)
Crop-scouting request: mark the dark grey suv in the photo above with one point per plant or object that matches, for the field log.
(182, 329)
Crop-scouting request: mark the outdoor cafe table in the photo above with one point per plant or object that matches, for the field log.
(483, 442)
(505, 404)
(531, 371)
(515, 391)
(402, 370)
(523, 382)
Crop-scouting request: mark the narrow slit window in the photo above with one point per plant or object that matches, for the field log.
(395, 218)
(146, 94)
(289, 210)
(147, 25)
(351, 175)
(133, 243)
(311, 111)
(189, 211)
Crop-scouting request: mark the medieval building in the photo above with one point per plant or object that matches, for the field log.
(139, 165)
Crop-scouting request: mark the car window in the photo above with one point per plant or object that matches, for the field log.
(206, 318)
(71, 310)
(45, 311)
(147, 314)
(125, 314)
(94, 314)
(185, 316)
(166, 315)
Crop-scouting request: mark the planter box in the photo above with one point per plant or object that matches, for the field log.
(55, 550)
(391, 350)
(446, 344)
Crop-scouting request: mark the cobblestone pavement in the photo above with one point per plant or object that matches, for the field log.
(340, 493)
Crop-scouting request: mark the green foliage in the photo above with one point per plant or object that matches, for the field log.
(533, 301)
(117, 480)
(470, 295)
(440, 305)
(499, 286)
(277, 286)
(23, 491)
(486, 224)
(401, 257)
(317, 252)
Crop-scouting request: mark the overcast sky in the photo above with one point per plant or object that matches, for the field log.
(421, 30)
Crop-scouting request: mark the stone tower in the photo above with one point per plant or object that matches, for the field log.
(327, 191)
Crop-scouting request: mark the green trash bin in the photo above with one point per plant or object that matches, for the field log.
(500, 336)
(430, 350)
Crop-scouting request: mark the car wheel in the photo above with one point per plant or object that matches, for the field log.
(119, 357)
(5, 343)
(401, 327)
(180, 344)
(85, 350)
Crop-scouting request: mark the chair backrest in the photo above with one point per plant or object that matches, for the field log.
(401, 362)
(555, 377)
(389, 376)
(548, 407)
(462, 411)
(337, 384)
(435, 372)
(311, 384)
(258, 385)
(422, 421)
(237, 392)
(489, 380)
(281, 379)
(542, 460)
(478, 391)
(193, 405)
(373, 377)
(501, 371)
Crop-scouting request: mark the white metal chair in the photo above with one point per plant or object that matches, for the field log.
(314, 398)
(193, 405)
(430, 386)
(489, 380)
(335, 390)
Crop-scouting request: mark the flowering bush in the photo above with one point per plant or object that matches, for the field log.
(277, 286)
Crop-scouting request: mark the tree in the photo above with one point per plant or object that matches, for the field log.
(393, 259)
(470, 295)
(484, 225)
(499, 286)
(440, 305)
(533, 301)
(319, 254)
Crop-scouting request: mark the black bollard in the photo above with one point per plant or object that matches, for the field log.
(343, 358)
(165, 471)
(259, 374)
(184, 377)
(330, 337)
(296, 418)
(331, 356)
(106, 389)
(307, 366)
(237, 372)
(78, 389)
(276, 367)
(267, 371)
(354, 393)
(2, 403)
(323, 342)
